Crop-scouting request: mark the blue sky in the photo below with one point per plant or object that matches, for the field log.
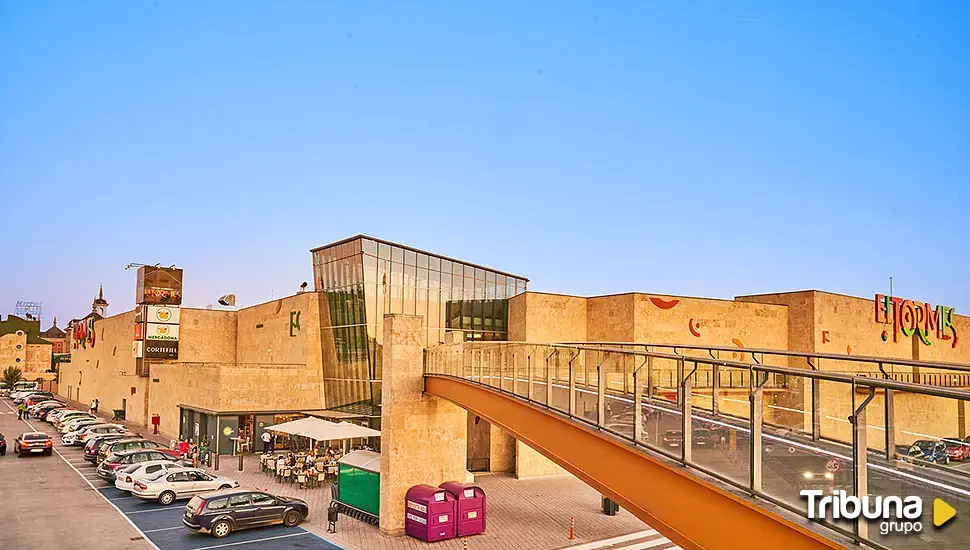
(693, 148)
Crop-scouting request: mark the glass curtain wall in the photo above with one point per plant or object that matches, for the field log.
(362, 279)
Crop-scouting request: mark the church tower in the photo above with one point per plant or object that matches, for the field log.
(100, 305)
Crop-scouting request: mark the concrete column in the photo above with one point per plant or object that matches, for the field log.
(423, 438)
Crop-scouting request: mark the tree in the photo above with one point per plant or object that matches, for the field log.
(12, 375)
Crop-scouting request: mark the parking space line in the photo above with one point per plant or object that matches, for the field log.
(150, 511)
(119, 498)
(251, 541)
(88, 481)
(165, 529)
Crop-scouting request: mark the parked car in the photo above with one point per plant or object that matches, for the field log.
(106, 470)
(956, 449)
(702, 438)
(45, 412)
(69, 415)
(3, 446)
(93, 444)
(74, 425)
(33, 409)
(23, 397)
(925, 450)
(673, 438)
(36, 398)
(222, 512)
(125, 445)
(167, 487)
(77, 437)
(33, 443)
(125, 477)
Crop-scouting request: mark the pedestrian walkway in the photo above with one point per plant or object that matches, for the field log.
(529, 513)
(640, 540)
(134, 427)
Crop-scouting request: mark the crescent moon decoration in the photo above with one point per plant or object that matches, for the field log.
(279, 305)
(664, 304)
(739, 344)
(693, 328)
(848, 350)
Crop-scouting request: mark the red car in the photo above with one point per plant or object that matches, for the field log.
(957, 450)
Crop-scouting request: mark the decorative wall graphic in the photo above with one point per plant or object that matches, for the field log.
(279, 305)
(825, 337)
(294, 321)
(664, 304)
(848, 350)
(885, 336)
(739, 344)
(694, 326)
(909, 317)
(84, 333)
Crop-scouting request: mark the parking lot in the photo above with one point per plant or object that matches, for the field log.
(61, 498)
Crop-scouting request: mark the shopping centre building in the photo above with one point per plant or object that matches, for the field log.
(319, 352)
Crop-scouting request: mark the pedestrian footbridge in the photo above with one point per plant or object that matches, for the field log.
(713, 452)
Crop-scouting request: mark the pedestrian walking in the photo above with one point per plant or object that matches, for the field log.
(94, 406)
(266, 441)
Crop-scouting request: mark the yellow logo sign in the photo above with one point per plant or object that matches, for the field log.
(164, 314)
(942, 512)
(162, 330)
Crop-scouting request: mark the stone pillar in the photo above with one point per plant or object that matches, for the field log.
(422, 437)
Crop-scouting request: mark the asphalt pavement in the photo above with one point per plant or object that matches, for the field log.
(50, 500)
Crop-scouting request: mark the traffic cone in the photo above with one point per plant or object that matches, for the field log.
(572, 528)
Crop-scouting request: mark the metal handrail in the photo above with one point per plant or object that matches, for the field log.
(962, 367)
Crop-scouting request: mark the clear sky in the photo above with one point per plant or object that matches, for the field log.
(692, 148)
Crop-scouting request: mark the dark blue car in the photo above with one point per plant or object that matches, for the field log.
(222, 512)
(926, 450)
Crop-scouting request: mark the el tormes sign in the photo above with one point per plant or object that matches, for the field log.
(909, 317)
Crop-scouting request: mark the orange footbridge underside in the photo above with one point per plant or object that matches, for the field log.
(688, 510)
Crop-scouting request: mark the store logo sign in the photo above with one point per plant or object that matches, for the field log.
(909, 317)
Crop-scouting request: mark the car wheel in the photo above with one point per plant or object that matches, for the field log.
(292, 518)
(224, 486)
(221, 529)
(49, 453)
(166, 498)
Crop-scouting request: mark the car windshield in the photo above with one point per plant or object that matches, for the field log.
(674, 433)
(130, 469)
(156, 475)
(113, 458)
(195, 504)
(924, 445)
(35, 437)
(702, 433)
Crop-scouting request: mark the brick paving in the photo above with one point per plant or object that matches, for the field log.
(529, 513)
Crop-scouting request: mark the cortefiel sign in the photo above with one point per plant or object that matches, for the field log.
(158, 331)
(155, 349)
(159, 286)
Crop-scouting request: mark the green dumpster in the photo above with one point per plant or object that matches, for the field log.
(359, 482)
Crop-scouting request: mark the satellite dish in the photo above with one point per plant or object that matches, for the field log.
(227, 300)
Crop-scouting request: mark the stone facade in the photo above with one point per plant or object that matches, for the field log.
(23, 348)
(228, 360)
(422, 436)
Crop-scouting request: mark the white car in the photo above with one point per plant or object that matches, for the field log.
(67, 417)
(125, 477)
(77, 436)
(55, 415)
(73, 425)
(167, 486)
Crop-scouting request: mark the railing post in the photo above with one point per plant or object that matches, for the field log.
(715, 386)
(680, 378)
(756, 415)
(601, 393)
(572, 383)
(890, 412)
(686, 408)
(637, 407)
(816, 405)
(549, 379)
(650, 379)
(860, 456)
(528, 372)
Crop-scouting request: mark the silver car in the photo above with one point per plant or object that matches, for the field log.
(125, 477)
(169, 485)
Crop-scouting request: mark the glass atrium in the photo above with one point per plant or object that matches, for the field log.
(361, 279)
